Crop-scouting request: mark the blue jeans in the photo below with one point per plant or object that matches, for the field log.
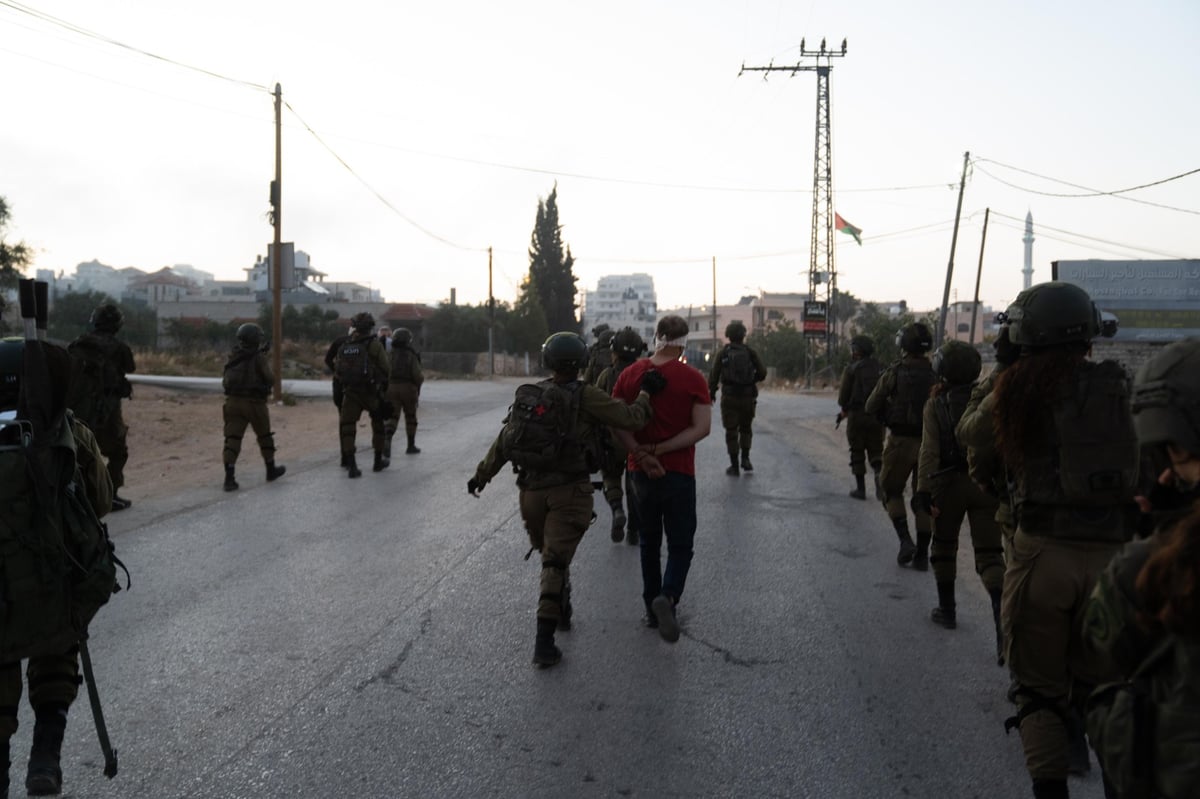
(666, 505)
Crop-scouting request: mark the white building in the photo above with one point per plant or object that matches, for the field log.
(621, 301)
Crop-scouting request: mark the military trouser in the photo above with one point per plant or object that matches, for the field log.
(864, 434)
(354, 402)
(53, 681)
(618, 488)
(1046, 588)
(737, 414)
(404, 398)
(957, 497)
(240, 412)
(110, 436)
(900, 455)
(556, 519)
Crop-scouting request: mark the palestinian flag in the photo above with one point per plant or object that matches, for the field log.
(845, 227)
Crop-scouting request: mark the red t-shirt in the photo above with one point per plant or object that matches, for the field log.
(686, 386)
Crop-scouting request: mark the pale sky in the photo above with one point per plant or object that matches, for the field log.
(454, 118)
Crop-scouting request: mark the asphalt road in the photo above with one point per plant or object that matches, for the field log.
(323, 637)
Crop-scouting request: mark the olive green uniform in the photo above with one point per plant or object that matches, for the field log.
(864, 431)
(101, 411)
(902, 449)
(738, 402)
(976, 432)
(365, 397)
(557, 506)
(247, 382)
(403, 392)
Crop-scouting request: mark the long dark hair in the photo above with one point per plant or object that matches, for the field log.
(1169, 583)
(1024, 393)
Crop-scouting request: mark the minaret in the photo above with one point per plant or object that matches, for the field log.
(1028, 239)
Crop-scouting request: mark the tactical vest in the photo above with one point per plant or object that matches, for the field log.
(97, 385)
(914, 379)
(353, 363)
(241, 377)
(737, 367)
(402, 364)
(1081, 485)
(542, 432)
(864, 374)
(949, 407)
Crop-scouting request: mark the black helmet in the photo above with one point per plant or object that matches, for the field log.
(600, 328)
(107, 318)
(627, 344)
(401, 336)
(1051, 314)
(250, 335)
(606, 338)
(862, 344)
(1166, 397)
(564, 352)
(363, 322)
(11, 350)
(914, 338)
(957, 362)
(735, 330)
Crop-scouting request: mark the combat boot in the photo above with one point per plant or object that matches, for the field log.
(907, 547)
(733, 470)
(860, 490)
(618, 520)
(921, 558)
(387, 448)
(1050, 789)
(545, 653)
(944, 613)
(230, 483)
(381, 462)
(994, 594)
(274, 472)
(412, 445)
(567, 609)
(876, 467)
(44, 777)
(352, 466)
(746, 465)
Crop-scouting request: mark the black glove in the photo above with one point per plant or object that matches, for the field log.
(653, 382)
(922, 501)
(474, 487)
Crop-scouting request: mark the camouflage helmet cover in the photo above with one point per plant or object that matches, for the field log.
(564, 352)
(107, 317)
(402, 336)
(362, 322)
(250, 334)
(1166, 397)
(863, 344)
(957, 363)
(915, 338)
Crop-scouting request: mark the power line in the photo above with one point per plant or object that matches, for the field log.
(1118, 194)
(1130, 247)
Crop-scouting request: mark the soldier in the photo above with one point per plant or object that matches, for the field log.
(864, 432)
(98, 386)
(1065, 434)
(736, 371)
(599, 354)
(404, 389)
(361, 367)
(946, 492)
(331, 364)
(627, 347)
(899, 399)
(248, 382)
(556, 492)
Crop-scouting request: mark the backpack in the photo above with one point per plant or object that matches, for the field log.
(97, 386)
(353, 364)
(737, 367)
(57, 564)
(540, 431)
(1146, 730)
(402, 364)
(864, 375)
(950, 405)
(241, 377)
(913, 381)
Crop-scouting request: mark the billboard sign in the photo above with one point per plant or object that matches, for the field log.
(1152, 300)
(816, 316)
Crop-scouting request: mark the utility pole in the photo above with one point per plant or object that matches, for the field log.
(491, 320)
(822, 270)
(277, 251)
(940, 335)
(978, 275)
(714, 347)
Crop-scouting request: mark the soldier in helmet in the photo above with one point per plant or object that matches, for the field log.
(946, 492)
(1144, 613)
(864, 432)
(248, 382)
(404, 389)
(899, 399)
(556, 495)
(599, 354)
(1065, 433)
(361, 367)
(627, 347)
(736, 371)
(101, 361)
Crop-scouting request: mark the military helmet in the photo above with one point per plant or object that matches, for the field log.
(914, 338)
(107, 318)
(606, 338)
(627, 344)
(600, 328)
(736, 330)
(862, 344)
(1166, 397)
(11, 350)
(564, 352)
(363, 322)
(957, 362)
(402, 336)
(250, 335)
(1051, 314)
